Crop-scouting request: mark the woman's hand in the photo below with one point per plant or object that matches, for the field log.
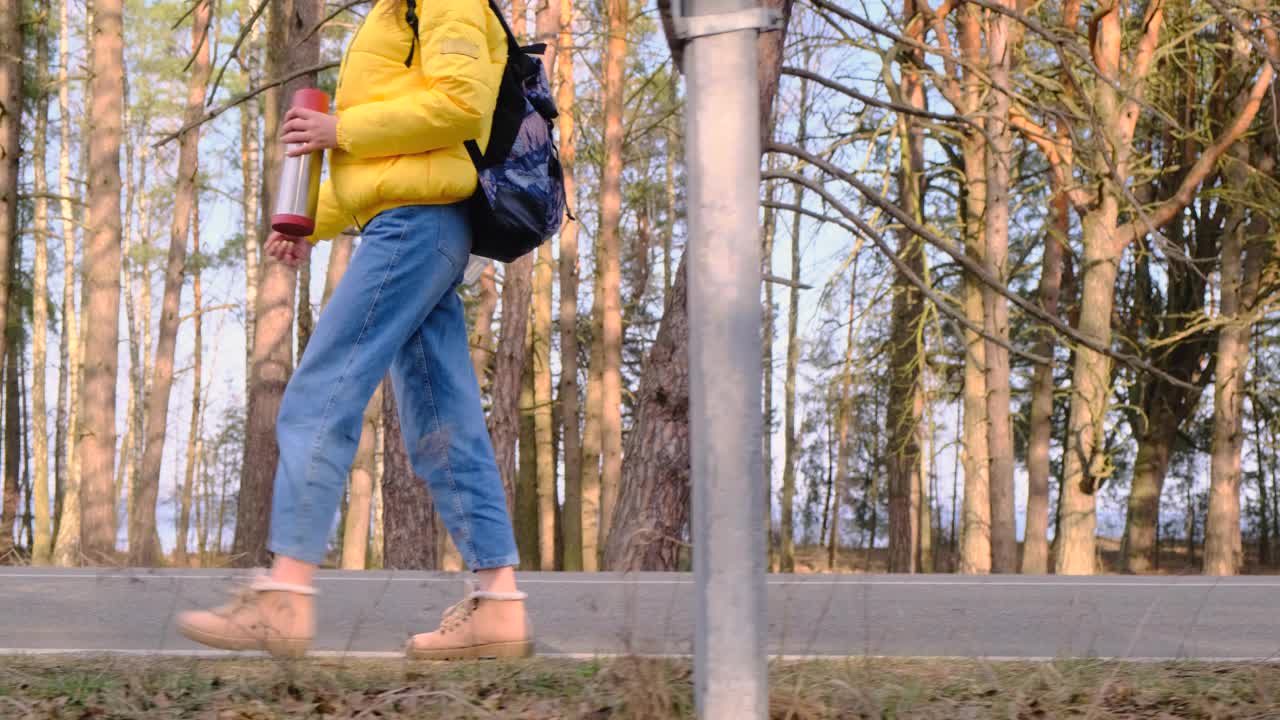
(309, 130)
(288, 249)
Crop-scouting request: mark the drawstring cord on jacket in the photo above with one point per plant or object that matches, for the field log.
(411, 17)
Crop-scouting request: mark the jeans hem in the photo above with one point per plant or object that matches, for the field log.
(296, 552)
(512, 560)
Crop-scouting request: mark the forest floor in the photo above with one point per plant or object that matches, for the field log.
(34, 688)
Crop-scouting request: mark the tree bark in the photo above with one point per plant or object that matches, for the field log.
(572, 526)
(306, 321)
(66, 514)
(844, 412)
(527, 526)
(11, 99)
(768, 334)
(482, 335)
(786, 520)
(250, 171)
(272, 349)
(355, 531)
(1245, 248)
(1035, 551)
(42, 540)
(504, 419)
(905, 339)
(999, 160)
(142, 510)
(197, 370)
(409, 517)
(667, 372)
(610, 262)
(975, 544)
(101, 293)
(12, 442)
(547, 30)
(653, 508)
(592, 539)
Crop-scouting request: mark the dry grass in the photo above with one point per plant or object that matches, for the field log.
(629, 689)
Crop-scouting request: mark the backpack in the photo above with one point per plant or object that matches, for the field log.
(519, 202)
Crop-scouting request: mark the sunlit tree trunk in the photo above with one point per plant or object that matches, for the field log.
(11, 100)
(547, 29)
(567, 397)
(142, 510)
(592, 539)
(272, 349)
(995, 229)
(197, 383)
(67, 499)
(610, 259)
(1246, 247)
(42, 541)
(101, 292)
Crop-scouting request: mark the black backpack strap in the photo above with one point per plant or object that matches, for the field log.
(473, 149)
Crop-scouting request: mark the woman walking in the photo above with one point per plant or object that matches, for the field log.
(412, 90)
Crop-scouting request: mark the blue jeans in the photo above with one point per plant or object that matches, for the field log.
(396, 310)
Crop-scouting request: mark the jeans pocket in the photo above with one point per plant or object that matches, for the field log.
(453, 236)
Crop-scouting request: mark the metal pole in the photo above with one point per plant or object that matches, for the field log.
(723, 166)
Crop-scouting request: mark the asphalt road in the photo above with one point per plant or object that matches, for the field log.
(652, 613)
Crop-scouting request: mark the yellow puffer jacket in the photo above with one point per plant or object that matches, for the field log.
(401, 129)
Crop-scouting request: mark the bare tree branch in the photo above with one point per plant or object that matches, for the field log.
(974, 267)
(211, 114)
(866, 230)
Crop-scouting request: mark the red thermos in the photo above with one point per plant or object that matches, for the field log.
(299, 189)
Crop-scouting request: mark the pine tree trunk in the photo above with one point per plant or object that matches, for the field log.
(527, 526)
(409, 517)
(999, 160)
(1091, 386)
(786, 523)
(197, 378)
(1266, 520)
(142, 512)
(653, 507)
(768, 335)
(101, 293)
(482, 335)
(666, 377)
(42, 540)
(1035, 551)
(610, 259)
(12, 443)
(355, 529)
(250, 167)
(1245, 247)
(567, 396)
(547, 31)
(906, 348)
(975, 550)
(11, 99)
(504, 419)
(378, 539)
(542, 421)
(844, 412)
(592, 539)
(67, 499)
(272, 360)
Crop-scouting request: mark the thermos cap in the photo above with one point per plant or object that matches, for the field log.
(311, 99)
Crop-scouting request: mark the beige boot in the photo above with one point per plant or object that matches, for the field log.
(483, 625)
(264, 615)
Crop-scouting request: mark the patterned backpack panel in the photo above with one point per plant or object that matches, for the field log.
(520, 201)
